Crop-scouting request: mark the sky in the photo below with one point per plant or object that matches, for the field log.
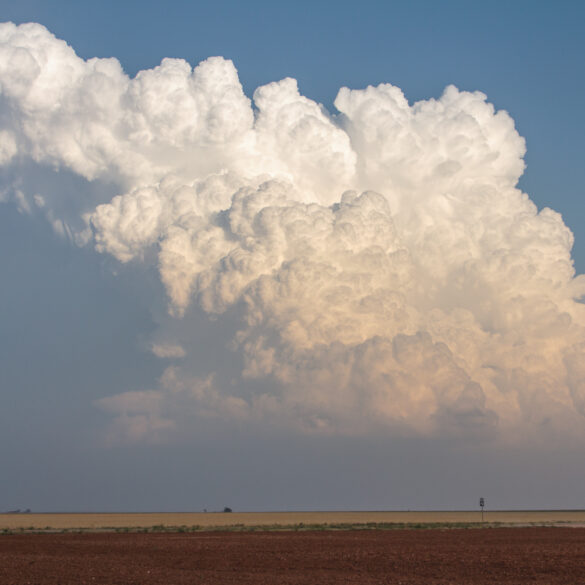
(299, 256)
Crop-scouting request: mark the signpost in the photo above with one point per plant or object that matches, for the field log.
(481, 505)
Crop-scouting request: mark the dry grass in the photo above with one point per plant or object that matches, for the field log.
(201, 521)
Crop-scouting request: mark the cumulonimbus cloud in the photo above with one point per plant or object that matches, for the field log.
(384, 269)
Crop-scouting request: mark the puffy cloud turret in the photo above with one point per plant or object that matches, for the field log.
(381, 266)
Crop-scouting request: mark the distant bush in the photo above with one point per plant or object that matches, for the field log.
(226, 509)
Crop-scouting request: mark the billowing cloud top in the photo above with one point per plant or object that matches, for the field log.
(382, 267)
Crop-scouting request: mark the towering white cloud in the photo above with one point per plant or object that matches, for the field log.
(382, 267)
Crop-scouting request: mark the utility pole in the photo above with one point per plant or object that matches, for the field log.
(481, 505)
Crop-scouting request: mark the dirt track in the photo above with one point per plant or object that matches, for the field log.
(502, 556)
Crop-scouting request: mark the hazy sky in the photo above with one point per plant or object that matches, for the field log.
(221, 286)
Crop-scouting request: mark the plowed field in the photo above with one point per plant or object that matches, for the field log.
(502, 556)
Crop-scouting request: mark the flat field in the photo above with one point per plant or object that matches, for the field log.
(215, 520)
(502, 556)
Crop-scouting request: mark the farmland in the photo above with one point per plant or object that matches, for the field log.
(217, 520)
(506, 556)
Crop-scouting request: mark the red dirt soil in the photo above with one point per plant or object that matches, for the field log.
(502, 556)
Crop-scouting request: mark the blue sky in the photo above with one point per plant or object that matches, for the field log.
(75, 327)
